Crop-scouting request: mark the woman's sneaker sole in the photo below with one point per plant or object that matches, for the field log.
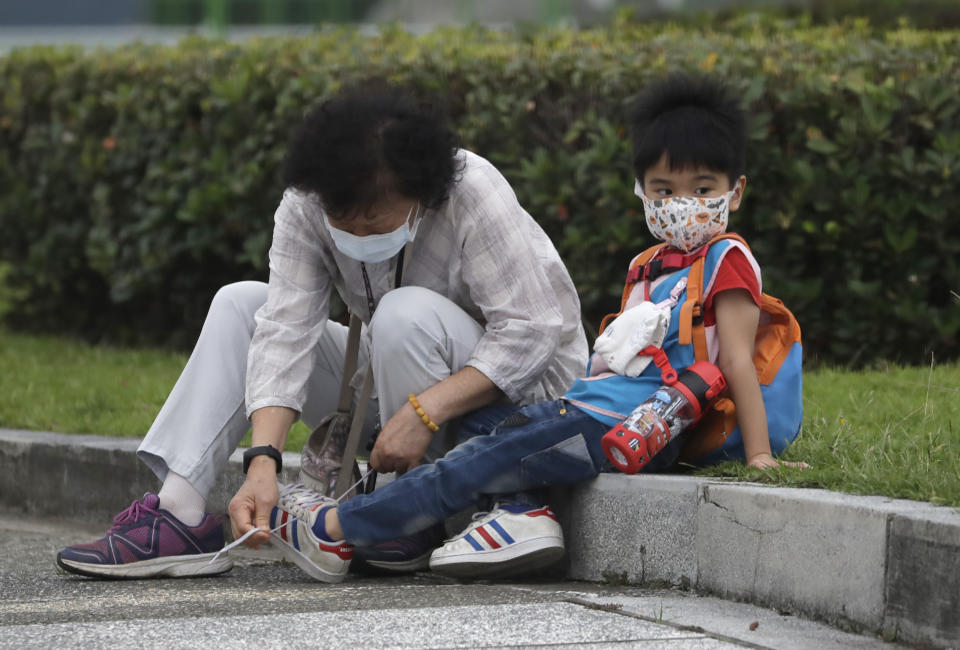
(183, 566)
(522, 557)
(147, 541)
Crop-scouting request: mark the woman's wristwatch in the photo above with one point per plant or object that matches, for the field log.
(263, 450)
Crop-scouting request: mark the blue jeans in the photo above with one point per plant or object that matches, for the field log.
(483, 421)
(538, 446)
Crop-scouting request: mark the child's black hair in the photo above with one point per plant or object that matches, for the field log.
(695, 121)
(370, 140)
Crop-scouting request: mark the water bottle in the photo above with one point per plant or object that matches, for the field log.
(669, 411)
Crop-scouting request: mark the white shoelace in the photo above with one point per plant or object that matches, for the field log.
(481, 517)
(297, 499)
(478, 519)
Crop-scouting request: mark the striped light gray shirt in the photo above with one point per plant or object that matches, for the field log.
(480, 249)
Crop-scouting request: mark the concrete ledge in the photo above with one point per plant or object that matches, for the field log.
(922, 589)
(869, 564)
(92, 477)
(637, 529)
(818, 553)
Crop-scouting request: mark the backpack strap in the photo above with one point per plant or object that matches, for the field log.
(647, 266)
(667, 263)
(634, 275)
(691, 313)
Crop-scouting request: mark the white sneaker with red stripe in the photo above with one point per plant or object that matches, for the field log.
(509, 540)
(294, 517)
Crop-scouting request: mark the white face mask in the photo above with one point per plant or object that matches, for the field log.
(686, 222)
(374, 248)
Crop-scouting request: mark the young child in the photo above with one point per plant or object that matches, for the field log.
(689, 142)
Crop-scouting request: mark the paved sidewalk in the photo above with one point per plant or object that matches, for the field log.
(875, 566)
(263, 603)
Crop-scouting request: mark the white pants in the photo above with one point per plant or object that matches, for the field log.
(419, 338)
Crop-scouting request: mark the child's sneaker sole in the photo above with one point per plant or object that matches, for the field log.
(183, 566)
(401, 555)
(522, 557)
(420, 563)
(291, 526)
(307, 565)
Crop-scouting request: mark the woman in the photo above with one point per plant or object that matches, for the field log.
(466, 302)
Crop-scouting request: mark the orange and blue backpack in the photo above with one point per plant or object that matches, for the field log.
(778, 353)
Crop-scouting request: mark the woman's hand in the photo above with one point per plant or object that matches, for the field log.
(251, 505)
(405, 438)
(767, 461)
(402, 442)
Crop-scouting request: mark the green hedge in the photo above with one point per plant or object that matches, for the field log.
(134, 182)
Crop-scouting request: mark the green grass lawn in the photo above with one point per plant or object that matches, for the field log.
(55, 384)
(891, 431)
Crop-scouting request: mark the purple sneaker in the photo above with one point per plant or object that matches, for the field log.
(147, 542)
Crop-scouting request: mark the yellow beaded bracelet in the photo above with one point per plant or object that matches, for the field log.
(423, 416)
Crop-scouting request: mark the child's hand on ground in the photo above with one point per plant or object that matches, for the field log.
(767, 461)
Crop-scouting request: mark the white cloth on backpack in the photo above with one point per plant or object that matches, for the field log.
(633, 330)
(638, 327)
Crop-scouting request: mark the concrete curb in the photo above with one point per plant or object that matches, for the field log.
(869, 564)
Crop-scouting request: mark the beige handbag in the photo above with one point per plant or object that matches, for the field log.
(333, 444)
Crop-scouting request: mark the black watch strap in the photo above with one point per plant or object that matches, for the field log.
(263, 450)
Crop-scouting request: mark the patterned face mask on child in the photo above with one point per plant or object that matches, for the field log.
(685, 222)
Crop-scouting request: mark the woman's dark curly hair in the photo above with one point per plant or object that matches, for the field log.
(371, 140)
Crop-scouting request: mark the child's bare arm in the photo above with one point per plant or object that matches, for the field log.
(737, 319)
